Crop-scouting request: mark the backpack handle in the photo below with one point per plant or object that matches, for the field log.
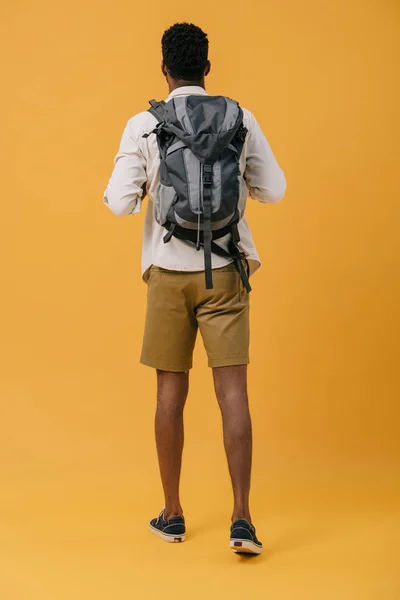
(157, 109)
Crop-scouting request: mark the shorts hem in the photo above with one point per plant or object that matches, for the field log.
(234, 361)
(163, 366)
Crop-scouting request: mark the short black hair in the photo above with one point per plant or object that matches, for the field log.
(185, 51)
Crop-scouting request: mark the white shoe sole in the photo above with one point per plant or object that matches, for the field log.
(170, 538)
(245, 547)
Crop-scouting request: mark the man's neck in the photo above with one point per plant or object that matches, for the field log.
(176, 84)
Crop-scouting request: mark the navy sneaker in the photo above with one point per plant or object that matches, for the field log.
(169, 530)
(244, 539)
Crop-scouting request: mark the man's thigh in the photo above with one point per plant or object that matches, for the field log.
(224, 320)
(171, 326)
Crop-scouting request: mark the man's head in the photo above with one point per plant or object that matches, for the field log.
(185, 55)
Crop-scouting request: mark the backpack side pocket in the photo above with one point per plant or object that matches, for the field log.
(164, 198)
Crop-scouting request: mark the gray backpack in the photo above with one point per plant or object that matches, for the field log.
(200, 140)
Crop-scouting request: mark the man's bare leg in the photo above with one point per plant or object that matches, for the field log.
(231, 390)
(172, 391)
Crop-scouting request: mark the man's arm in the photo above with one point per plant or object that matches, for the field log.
(126, 187)
(265, 179)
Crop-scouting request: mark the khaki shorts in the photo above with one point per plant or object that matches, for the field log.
(178, 304)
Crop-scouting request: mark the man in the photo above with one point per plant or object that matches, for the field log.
(178, 301)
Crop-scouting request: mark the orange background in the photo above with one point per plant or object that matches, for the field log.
(78, 464)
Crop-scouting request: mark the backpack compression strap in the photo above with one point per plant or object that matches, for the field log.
(237, 257)
(234, 252)
(207, 232)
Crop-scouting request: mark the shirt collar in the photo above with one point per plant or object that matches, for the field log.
(187, 90)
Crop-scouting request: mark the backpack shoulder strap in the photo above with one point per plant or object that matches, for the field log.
(157, 109)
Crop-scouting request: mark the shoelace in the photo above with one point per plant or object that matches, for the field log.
(161, 515)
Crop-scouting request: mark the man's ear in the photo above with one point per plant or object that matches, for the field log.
(164, 68)
(208, 68)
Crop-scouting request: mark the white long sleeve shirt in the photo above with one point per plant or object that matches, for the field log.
(136, 167)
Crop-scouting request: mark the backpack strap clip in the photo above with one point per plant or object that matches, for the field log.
(242, 133)
(155, 130)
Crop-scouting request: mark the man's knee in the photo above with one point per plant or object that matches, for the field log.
(172, 391)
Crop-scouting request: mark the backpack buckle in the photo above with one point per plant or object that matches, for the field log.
(207, 174)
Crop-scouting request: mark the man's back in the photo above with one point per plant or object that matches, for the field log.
(137, 164)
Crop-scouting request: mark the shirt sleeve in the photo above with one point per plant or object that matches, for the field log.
(124, 192)
(264, 178)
